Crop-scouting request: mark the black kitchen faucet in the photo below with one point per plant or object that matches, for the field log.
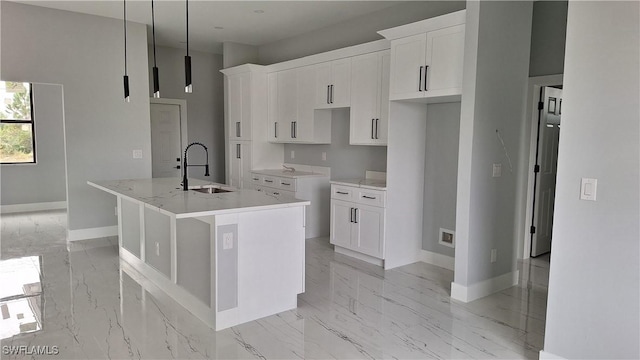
(185, 182)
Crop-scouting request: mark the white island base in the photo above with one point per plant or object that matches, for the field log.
(228, 268)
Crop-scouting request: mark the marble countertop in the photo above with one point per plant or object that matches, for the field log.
(166, 195)
(374, 184)
(287, 174)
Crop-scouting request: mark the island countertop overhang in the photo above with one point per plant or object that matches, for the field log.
(166, 195)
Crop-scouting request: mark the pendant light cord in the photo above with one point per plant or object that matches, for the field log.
(153, 30)
(125, 37)
(187, 2)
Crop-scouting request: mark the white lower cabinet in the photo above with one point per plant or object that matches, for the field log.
(239, 163)
(356, 225)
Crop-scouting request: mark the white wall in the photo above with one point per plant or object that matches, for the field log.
(594, 283)
(495, 77)
(205, 106)
(440, 174)
(548, 35)
(45, 180)
(238, 54)
(84, 53)
(354, 31)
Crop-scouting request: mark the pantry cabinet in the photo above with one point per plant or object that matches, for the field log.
(369, 118)
(239, 163)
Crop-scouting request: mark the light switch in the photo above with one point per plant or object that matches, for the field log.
(324, 156)
(293, 154)
(588, 189)
(227, 241)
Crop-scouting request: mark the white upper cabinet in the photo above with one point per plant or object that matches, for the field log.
(369, 99)
(333, 84)
(287, 88)
(273, 128)
(239, 102)
(427, 59)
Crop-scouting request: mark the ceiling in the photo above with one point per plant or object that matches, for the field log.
(213, 22)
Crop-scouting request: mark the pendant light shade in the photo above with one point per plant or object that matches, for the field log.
(188, 87)
(126, 77)
(156, 78)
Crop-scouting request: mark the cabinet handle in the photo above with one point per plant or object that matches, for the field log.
(328, 93)
(276, 193)
(342, 193)
(292, 134)
(256, 179)
(331, 94)
(369, 197)
(295, 129)
(351, 214)
(372, 128)
(238, 151)
(355, 217)
(377, 132)
(420, 79)
(268, 181)
(237, 128)
(287, 184)
(275, 129)
(426, 70)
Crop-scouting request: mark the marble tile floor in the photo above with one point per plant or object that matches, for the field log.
(94, 306)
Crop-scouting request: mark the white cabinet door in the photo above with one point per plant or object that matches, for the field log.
(445, 52)
(369, 230)
(365, 88)
(239, 101)
(332, 88)
(341, 221)
(407, 67)
(369, 99)
(341, 83)
(272, 108)
(303, 126)
(239, 163)
(287, 103)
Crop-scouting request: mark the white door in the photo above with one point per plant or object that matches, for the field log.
(370, 229)
(341, 83)
(272, 107)
(341, 219)
(303, 126)
(365, 78)
(407, 67)
(239, 92)
(166, 148)
(238, 162)
(546, 179)
(445, 52)
(323, 85)
(287, 102)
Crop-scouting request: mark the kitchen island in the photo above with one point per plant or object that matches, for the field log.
(229, 256)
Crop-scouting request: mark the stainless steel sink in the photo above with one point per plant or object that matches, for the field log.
(210, 190)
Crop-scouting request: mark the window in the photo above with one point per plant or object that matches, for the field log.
(17, 138)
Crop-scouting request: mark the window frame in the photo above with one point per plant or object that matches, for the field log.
(33, 129)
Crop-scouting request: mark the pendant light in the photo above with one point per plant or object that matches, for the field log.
(156, 80)
(188, 88)
(126, 77)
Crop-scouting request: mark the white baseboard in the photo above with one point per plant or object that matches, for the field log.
(359, 256)
(549, 356)
(92, 233)
(18, 208)
(484, 288)
(436, 259)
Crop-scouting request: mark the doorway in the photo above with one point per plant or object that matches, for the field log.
(168, 136)
(545, 135)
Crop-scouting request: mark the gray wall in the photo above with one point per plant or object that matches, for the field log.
(44, 181)
(237, 54)
(355, 31)
(346, 161)
(440, 174)
(496, 68)
(548, 37)
(84, 53)
(205, 106)
(594, 282)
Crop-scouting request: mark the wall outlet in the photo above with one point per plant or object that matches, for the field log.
(494, 255)
(137, 154)
(157, 249)
(324, 156)
(446, 237)
(497, 170)
(227, 241)
(293, 154)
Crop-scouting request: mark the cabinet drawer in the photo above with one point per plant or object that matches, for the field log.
(287, 184)
(269, 181)
(256, 179)
(259, 188)
(342, 192)
(371, 197)
(276, 192)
